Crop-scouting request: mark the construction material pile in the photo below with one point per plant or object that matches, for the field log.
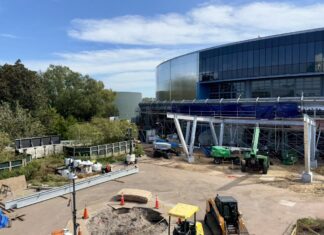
(134, 195)
(122, 221)
(309, 226)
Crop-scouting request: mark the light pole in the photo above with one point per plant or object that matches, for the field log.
(129, 138)
(72, 177)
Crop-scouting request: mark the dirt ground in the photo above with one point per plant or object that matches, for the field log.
(134, 221)
(270, 203)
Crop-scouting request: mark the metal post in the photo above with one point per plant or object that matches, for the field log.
(169, 229)
(212, 130)
(182, 140)
(129, 133)
(221, 134)
(188, 131)
(75, 225)
(192, 140)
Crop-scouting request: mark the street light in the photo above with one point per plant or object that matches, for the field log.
(72, 177)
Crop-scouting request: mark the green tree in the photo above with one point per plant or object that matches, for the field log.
(85, 134)
(73, 94)
(4, 140)
(54, 122)
(21, 85)
(18, 122)
(114, 131)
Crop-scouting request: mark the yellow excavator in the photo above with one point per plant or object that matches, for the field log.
(223, 217)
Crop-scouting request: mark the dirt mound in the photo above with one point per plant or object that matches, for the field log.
(125, 221)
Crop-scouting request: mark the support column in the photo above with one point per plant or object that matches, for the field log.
(188, 131)
(182, 140)
(221, 134)
(213, 132)
(307, 175)
(192, 141)
(313, 161)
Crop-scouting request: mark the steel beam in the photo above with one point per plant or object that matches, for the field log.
(188, 131)
(213, 132)
(52, 193)
(182, 140)
(238, 120)
(192, 141)
(221, 134)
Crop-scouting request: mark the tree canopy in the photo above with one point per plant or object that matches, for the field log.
(73, 94)
(33, 103)
(21, 85)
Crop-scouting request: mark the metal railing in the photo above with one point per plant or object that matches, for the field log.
(52, 193)
(37, 141)
(99, 150)
(16, 163)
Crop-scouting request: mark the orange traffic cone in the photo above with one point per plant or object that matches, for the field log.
(157, 204)
(85, 214)
(122, 200)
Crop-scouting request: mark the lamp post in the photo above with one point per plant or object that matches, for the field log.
(72, 177)
(129, 138)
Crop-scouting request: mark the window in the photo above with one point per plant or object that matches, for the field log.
(309, 86)
(283, 88)
(256, 63)
(295, 58)
(261, 88)
(319, 56)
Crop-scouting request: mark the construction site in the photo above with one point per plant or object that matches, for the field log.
(139, 199)
(232, 143)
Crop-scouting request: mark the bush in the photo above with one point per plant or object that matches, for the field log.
(139, 151)
(101, 131)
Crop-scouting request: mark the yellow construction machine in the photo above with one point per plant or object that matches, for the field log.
(184, 227)
(223, 217)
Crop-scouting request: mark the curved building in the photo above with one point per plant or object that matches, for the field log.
(286, 65)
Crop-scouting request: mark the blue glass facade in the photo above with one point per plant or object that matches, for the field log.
(285, 65)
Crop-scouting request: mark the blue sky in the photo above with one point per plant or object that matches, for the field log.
(121, 42)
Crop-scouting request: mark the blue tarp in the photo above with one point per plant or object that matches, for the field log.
(4, 220)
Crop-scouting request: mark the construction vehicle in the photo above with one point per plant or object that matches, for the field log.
(184, 227)
(163, 148)
(224, 153)
(252, 160)
(223, 217)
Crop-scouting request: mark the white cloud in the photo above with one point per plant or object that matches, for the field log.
(207, 24)
(7, 35)
(120, 69)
